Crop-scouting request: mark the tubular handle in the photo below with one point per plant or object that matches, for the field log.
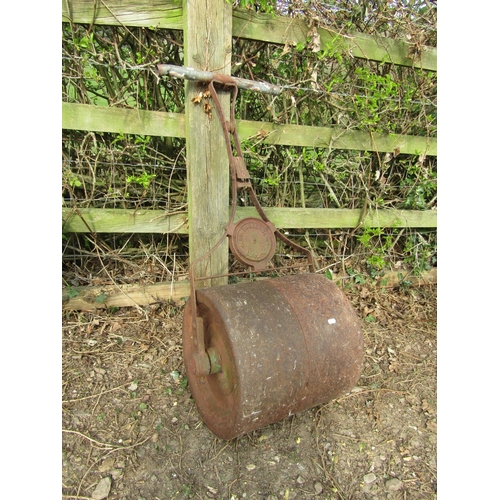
(209, 76)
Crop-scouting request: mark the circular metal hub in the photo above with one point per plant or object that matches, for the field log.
(252, 242)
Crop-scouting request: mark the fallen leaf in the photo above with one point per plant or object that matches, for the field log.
(315, 40)
(107, 465)
(394, 367)
(198, 98)
(116, 325)
(431, 425)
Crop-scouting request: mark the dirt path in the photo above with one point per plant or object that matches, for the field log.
(131, 430)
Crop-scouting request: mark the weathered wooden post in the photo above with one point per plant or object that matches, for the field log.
(207, 46)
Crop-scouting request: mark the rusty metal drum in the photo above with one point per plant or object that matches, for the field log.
(272, 348)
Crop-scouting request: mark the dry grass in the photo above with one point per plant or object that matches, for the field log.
(128, 414)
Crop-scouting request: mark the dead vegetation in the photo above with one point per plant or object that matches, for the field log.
(129, 423)
(128, 414)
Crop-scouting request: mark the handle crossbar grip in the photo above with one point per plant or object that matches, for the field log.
(209, 76)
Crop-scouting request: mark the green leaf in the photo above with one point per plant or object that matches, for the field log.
(72, 292)
(101, 298)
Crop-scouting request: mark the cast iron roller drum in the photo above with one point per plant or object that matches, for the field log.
(273, 348)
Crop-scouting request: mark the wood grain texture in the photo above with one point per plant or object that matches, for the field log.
(122, 120)
(252, 25)
(157, 123)
(117, 220)
(281, 30)
(102, 220)
(151, 14)
(92, 298)
(207, 45)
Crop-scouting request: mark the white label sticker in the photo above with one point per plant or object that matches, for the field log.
(332, 321)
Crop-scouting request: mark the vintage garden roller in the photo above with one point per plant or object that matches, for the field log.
(258, 352)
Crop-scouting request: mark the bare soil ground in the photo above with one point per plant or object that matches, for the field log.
(131, 430)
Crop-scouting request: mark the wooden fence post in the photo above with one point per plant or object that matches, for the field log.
(207, 46)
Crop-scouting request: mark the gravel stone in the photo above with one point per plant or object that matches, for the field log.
(393, 484)
(102, 489)
(369, 478)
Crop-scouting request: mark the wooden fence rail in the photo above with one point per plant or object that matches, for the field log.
(116, 220)
(101, 297)
(214, 20)
(135, 121)
(250, 25)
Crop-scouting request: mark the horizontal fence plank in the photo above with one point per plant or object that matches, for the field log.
(122, 120)
(333, 218)
(118, 220)
(91, 298)
(252, 25)
(108, 220)
(130, 121)
(336, 138)
(281, 30)
(151, 14)
(100, 297)
(378, 48)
